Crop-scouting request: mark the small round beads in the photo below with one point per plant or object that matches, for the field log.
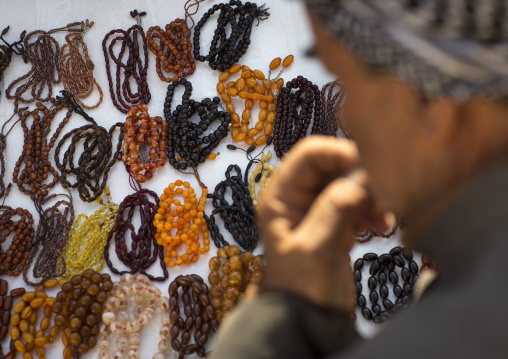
(188, 220)
(227, 289)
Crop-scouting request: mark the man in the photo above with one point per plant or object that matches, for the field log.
(427, 89)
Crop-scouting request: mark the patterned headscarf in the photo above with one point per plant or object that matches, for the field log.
(450, 48)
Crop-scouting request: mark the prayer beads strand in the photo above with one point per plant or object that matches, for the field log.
(76, 67)
(87, 239)
(186, 218)
(130, 306)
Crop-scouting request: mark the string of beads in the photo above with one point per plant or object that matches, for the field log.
(173, 53)
(43, 52)
(51, 236)
(180, 223)
(76, 67)
(260, 176)
(78, 308)
(225, 51)
(251, 86)
(385, 268)
(199, 315)
(239, 217)
(332, 99)
(150, 131)
(291, 125)
(33, 305)
(144, 248)
(14, 259)
(186, 145)
(96, 159)
(130, 306)
(33, 167)
(133, 70)
(6, 303)
(87, 238)
(239, 270)
(7, 50)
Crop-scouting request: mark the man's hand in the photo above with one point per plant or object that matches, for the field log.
(308, 217)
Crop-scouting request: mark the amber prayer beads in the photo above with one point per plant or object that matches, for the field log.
(6, 304)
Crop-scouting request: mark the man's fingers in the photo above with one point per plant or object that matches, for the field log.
(335, 213)
(305, 171)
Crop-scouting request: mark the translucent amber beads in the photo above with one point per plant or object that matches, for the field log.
(145, 143)
(181, 223)
(87, 238)
(238, 271)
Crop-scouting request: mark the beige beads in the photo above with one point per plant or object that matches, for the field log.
(130, 306)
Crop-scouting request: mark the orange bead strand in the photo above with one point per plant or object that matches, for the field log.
(182, 223)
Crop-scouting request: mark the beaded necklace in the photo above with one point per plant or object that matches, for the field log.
(6, 303)
(14, 259)
(43, 52)
(7, 50)
(144, 248)
(149, 132)
(226, 289)
(26, 313)
(33, 167)
(51, 236)
(187, 147)
(94, 162)
(135, 68)
(332, 99)
(291, 125)
(88, 236)
(226, 51)
(78, 308)
(76, 67)
(199, 315)
(384, 268)
(130, 306)
(239, 217)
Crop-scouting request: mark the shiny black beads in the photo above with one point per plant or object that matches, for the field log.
(187, 146)
(386, 270)
(226, 51)
(239, 217)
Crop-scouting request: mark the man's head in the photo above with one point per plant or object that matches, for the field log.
(417, 137)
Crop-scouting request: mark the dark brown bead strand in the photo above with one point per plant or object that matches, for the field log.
(33, 169)
(6, 304)
(14, 259)
(199, 315)
(369, 232)
(43, 52)
(51, 237)
(134, 69)
(78, 309)
(96, 160)
(385, 269)
(7, 50)
(144, 248)
(294, 114)
(332, 99)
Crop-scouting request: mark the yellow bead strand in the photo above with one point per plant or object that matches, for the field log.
(266, 171)
(87, 238)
